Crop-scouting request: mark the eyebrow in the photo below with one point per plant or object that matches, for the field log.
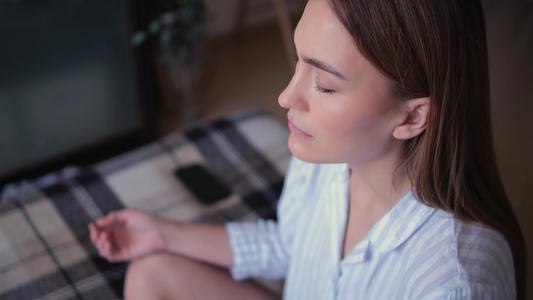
(323, 66)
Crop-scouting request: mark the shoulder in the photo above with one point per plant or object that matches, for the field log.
(466, 259)
(485, 260)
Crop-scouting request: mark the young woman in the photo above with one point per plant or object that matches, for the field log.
(393, 192)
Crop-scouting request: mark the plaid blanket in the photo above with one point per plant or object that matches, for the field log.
(45, 250)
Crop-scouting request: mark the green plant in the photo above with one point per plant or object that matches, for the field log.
(179, 26)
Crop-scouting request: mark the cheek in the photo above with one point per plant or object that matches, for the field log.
(336, 126)
(343, 122)
(356, 128)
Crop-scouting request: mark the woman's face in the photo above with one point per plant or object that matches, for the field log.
(340, 106)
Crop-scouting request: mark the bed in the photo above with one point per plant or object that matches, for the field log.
(45, 250)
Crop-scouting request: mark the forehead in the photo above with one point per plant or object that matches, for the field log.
(321, 35)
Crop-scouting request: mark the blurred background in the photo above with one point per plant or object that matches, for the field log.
(84, 80)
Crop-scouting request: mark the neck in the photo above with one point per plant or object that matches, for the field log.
(379, 183)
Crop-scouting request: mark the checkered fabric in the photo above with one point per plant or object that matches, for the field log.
(45, 250)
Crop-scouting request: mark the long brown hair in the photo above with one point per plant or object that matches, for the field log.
(438, 49)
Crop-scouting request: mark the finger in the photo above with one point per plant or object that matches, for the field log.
(101, 244)
(93, 231)
(112, 252)
(106, 246)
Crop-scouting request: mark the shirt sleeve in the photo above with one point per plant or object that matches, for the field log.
(484, 265)
(263, 248)
(477, 291)
(257, 250)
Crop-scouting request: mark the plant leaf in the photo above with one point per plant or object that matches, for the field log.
(138, 38)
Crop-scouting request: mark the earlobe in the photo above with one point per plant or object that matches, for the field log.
(414, 120)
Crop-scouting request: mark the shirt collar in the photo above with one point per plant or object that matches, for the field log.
(395, 227)
(400, 223)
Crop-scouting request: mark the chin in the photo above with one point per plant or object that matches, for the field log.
(299, 151)
(312, 152)
(305, 152)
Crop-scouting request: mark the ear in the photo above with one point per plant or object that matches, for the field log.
(414, 120)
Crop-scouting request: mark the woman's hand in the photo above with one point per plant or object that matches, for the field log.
(128, 234)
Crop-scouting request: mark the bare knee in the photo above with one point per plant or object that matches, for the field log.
(168, 276)
(148, 277)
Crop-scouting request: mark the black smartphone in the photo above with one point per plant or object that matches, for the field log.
(205, 186)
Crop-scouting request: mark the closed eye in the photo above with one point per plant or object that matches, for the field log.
(323, 90)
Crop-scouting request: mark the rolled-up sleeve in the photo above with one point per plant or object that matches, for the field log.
(262, 248)
(257, 250)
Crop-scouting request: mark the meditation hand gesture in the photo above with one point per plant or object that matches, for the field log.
(127, 235)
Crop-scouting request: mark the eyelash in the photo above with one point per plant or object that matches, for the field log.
(323, 90)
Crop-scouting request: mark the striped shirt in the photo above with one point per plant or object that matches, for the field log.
(413, 252)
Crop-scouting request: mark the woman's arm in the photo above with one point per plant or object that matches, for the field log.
(130, 234)
(204, 242)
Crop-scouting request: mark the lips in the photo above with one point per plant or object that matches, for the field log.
(297, 131)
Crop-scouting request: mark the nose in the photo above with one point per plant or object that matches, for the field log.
(292, 96)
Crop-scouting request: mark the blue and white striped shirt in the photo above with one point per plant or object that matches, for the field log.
(413, 252)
